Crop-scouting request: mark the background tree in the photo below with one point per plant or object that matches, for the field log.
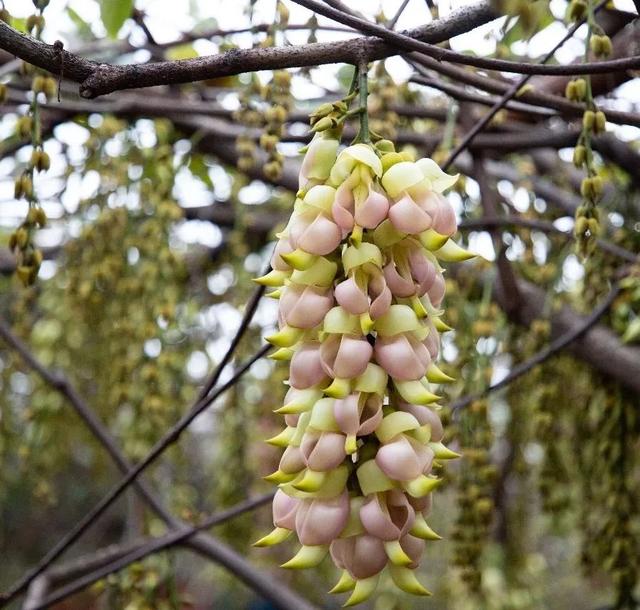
(150, 154)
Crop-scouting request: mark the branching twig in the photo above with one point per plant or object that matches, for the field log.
(150, 547)
(509, 94)
(544, 354)
(407, 43)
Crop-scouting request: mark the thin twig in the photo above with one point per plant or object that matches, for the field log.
(150, 547)
(509, 94)
(166, 441)
(544, 354)
(407, 43)
(391, 24)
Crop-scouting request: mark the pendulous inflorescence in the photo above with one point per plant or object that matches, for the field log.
(360, 287)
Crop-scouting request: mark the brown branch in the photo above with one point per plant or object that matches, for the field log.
(210, 547)
(406, 43)
(464, 95)
(484, 82)
(508, 95)
(146, 547)
(100, 78)
(576, 329)
(489, 203)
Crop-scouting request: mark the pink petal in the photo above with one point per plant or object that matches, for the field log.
(292, 460)
(376, 520)
(282, 247)
(407, 217)
(363, 555)
(325, 452)
(284, 510)
(371, 415)
(305, 306)
(423, 270)
(351, 297)
(372, 211)
(402, 357)
(400, 510)
(321, 237)
(344, 356)
(399, 285)
(399, 461)
(345, 412)
(306, 367)
(421, 505)
(322, 521)
(425, 416)
(414, 547)
(437, 290)
(432, 341)
(352, 358)
(444, 218)
(342, 208)
(381, 296)
(291, 419)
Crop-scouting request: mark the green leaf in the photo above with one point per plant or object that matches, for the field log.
(84, 29)
(114, 13)
(540, 18)
(632, 333)
(181, 51)
(199, 169)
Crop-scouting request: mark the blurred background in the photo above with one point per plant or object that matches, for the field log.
(162, 204)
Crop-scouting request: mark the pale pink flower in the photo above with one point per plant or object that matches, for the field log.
(402, 356)
(362, 555)
(375, 298)
(306, 368)
(324, 451)
(407, 216)
(345, 356)
(425, 416)
(304, 306)
(404, 458)
(316, 235)
(292, 460)
(284, 510)
(387, 516)
(322, 521)
(414, 548)
(367, 214)
(282, 247)
(355, 420)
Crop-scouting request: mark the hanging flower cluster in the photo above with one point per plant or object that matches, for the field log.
(360, 286)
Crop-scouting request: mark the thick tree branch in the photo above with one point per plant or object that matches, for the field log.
(98, 79)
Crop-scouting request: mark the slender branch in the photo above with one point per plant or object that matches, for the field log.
(150, 547)
(544, 354)
(406, 43)
(167, 440)
(391, 24)
(509, 94)
(489, 204)
(462, 94)
(536, 98)
(206, 545)
(101, 78)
